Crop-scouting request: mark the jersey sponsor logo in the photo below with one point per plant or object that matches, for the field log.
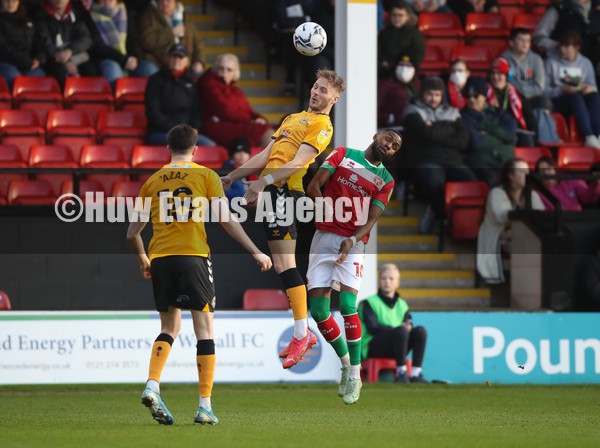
(303, 121)
(285, 133)
(322, 137)
(350, 183)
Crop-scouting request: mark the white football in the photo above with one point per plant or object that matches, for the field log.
(310, 39)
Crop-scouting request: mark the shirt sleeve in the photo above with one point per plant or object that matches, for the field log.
(214, 186)
(334, 159)
(319, 135)
(382, 199)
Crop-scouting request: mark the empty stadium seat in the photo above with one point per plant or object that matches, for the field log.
(210, 156)
(510, 8)
(538, 6)
(124, 129)
(91, 94)
(37, 93)
(128, 189)
(265, 299)
(72, 128)
(11, 157)
(5, 97)
(478, 59)
(103, 156)
(150, 156)
(532, 154)
(21, 128)
(526, 20)
(434, 63)
(577, 158)
(129, 94)
(85, 186)
(31, 192)
(443, 30)
(52, 156)
(487, 30)
(5, 304)
(372, 367)
(464, 207)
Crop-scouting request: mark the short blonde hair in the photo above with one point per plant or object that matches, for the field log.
(336, 81)
(388, 267)
(232, 58)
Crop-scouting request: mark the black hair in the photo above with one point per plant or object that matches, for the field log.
(182, 138)
(517, 31)
(549, 160)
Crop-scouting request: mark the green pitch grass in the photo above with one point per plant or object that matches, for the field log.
(308, 416)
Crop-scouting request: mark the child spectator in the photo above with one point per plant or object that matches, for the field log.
(239, 153)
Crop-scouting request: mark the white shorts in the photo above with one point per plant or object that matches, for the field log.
(323, 272)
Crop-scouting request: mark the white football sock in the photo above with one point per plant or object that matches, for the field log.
(205, 403)
(416, 371)
(355, 371)
(153, 384)
(300, 328)
(401, 369)
(345, 360)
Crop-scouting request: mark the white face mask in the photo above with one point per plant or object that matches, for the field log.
(405, 73)
(459, 78)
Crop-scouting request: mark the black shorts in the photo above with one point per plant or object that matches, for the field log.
(281, 198)
(184, 282)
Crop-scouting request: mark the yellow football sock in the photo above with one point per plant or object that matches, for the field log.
(206, 373)
(158, 359)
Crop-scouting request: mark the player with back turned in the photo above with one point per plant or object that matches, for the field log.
(338, 247)
(295, 145)
(179, 264)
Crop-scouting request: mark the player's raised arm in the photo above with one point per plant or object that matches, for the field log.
(234, 229)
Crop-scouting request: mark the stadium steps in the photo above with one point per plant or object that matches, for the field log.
(431, 280)
(216, 27)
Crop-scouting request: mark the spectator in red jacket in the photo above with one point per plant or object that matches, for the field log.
(227, 113)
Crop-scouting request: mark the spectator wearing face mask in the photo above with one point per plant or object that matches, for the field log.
(435, 141)
(394, 93)
(459, 73)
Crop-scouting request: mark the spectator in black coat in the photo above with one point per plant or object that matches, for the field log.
(65, 39)
(19, 54)
(435, 140)
(172, 99)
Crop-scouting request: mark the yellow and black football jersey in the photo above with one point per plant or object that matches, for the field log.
(313, 129)
(176, 228)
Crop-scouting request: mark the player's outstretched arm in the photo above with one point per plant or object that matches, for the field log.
(374, 213)
(256, 163)
(134, 239)
(235, 230)
(302, 158)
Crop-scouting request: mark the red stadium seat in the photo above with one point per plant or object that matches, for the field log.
(5, 98)
(465, 206)
(31, 192)
(129, 94)
(21, 128)
(37, 93)
(124, 129)
(265, 299)
(5, 304)
(510, 8)
(479, 59)
(487, 30)
(102, 156)
(85, 186)
(371, 367)
(443, 30)
(434, 62)
(129, 189)
(91, 94)
(574, 134)
(150, 156)
(210, 156)
(532, 155)
(538, 6)
(256, 150)
(527, 21)
(52, 156)
(578, 158)
(11, 157)
(72, 128)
